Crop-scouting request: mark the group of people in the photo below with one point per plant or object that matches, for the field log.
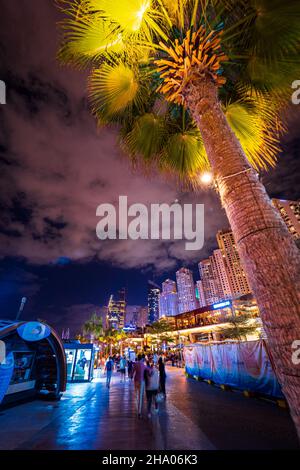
(149, 376)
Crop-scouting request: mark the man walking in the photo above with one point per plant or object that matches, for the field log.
(109, 370)
(139, 382)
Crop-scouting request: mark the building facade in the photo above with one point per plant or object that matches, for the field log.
(210, 282)
(153, 302)
(200, 294)
(116, 310)
(236, 275)
(168, 299)
(186, 290)
(136, 316)
(221, 272)
(290, 213)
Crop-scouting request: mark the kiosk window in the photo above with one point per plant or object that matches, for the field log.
(70, 357)
(83, 362)
(23, 366)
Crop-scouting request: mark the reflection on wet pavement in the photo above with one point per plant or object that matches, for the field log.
(195, 416)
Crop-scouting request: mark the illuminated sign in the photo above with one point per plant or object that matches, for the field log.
(33, 331)
(129, 328)
(222, 304)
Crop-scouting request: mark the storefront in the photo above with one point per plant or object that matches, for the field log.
(80, 361)
(32, 362)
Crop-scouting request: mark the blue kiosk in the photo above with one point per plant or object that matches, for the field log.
(32, 361)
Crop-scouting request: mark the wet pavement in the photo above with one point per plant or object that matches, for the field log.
(195, 416)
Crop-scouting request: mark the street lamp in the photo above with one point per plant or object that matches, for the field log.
(206, 177)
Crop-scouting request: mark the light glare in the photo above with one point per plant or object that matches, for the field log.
(206, 177)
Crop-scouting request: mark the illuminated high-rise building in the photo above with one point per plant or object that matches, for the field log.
(116, 310)
(153, 302)
(290, 213)
(211, 285)
(200, 294)
(220, 269)
(186, 290)
(168, 299)
(136, 316)
(235, 273)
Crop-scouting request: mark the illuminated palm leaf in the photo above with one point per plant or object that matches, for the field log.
(147, 136)
(113, 90)
(86, 38)
(184, 153)
(130, 15)
(259, 137)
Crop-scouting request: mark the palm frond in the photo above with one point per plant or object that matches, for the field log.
(113, 90)
(147, 137)
(184, 154)
(130, 15)
(87, 37)
(257, 130)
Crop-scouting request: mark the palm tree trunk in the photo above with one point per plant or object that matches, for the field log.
(267, 250)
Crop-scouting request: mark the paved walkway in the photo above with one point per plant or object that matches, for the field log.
(195, 416)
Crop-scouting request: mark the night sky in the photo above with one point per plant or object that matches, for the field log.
(57, 167)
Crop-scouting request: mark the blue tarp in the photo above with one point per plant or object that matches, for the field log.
(242, 365)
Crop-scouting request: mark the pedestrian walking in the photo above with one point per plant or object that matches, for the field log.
(123, 364)
(109, 370)
(139, 382)
(162, 376)
(130, 369)
(152, 386)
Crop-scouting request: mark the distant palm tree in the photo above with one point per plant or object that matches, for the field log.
(111, 337)
(225, 68)
(160, 326)
(93, 327)
(239, 327)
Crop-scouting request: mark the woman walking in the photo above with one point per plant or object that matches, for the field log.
(123, 368)
(152, 386)
(162, 376)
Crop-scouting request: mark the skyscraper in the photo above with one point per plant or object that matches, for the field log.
(153, 302)
(220, 267)
(186, 290)
(200, 294)
(290, 212)
(168, 299)
(116, 310)
(235, 272)
(211, 284)
(136, 315)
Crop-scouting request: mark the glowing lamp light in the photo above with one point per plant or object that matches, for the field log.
(140, 15)
(206, 177)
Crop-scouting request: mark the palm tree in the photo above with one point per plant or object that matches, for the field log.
(93, 327)
(239, 327)
(225, 69)
(160, 326)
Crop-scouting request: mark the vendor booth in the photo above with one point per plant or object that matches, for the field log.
(32, 361)
(80, 361)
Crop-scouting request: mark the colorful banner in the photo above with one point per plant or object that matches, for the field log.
(242, 365)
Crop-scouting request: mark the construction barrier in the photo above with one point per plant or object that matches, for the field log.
(242, 365)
